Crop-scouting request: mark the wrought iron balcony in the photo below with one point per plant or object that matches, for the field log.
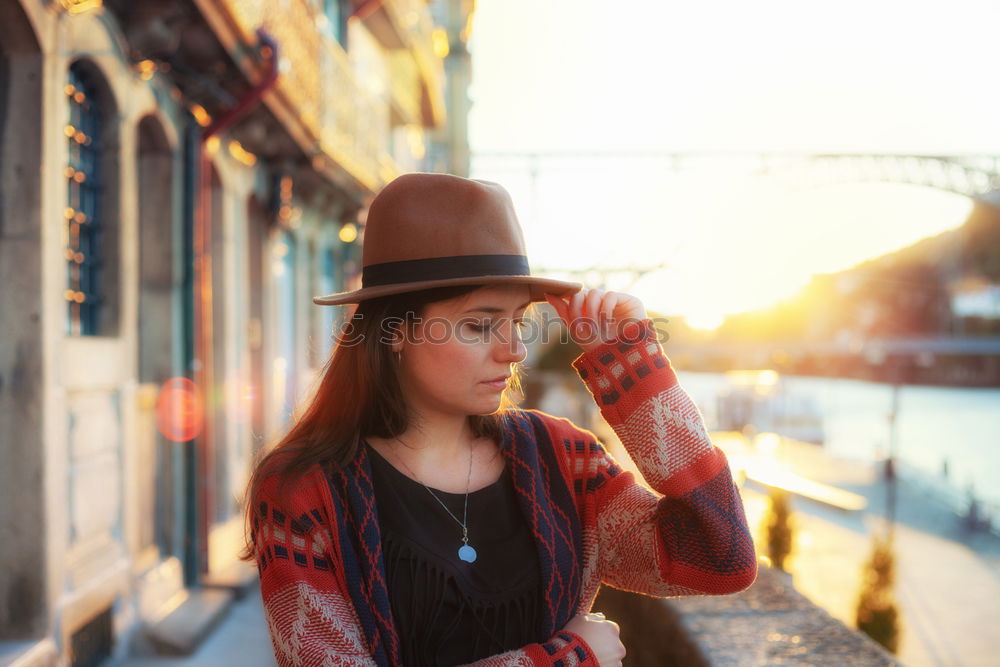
(348, 123)
(407, 25)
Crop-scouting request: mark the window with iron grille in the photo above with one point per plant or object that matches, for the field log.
(85, 232)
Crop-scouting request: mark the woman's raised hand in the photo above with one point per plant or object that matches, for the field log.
(596, 316)
(601, 635)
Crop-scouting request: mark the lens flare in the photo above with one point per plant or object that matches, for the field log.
(179, 409)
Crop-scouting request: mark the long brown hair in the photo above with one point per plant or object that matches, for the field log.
(358, 395)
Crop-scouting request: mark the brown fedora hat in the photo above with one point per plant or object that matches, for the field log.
(433, 230)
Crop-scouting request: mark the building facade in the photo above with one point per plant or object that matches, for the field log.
(177, 180)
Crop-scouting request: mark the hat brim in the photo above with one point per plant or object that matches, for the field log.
(538, 288)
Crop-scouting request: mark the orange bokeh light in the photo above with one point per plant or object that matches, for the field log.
(180, 412)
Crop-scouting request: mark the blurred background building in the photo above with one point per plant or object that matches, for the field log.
(177, 180)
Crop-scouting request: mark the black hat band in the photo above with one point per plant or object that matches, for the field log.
(443, 268)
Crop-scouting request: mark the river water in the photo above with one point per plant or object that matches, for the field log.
(948, 436)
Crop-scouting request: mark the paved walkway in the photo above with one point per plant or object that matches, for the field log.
(948, 578)
(241, 639)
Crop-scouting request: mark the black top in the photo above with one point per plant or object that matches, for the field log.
(447, 611)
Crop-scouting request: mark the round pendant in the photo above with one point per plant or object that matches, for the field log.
(467, 553)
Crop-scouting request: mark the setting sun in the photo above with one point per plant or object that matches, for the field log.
(768, 248)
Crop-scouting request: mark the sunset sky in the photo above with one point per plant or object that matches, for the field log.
(603, 81)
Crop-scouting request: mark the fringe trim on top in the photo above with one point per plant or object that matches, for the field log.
(517, 613)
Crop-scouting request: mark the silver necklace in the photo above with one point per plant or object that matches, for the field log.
(465, 552)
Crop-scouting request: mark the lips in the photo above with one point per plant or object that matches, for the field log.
(502, 378)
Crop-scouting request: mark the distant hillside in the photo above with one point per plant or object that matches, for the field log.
(907, 294)
(902, 293)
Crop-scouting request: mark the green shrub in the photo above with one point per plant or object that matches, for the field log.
(877, 613)
(778, 528)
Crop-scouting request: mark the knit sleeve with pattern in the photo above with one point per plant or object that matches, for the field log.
(309, 612)
(688, 535)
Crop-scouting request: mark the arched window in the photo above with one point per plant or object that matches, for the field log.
(91, 183)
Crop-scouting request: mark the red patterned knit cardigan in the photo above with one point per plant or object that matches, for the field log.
(320, 562)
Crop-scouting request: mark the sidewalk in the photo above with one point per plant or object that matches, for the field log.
(240, 639)
(948, 578)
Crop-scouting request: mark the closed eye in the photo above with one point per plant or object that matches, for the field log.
(483, 327)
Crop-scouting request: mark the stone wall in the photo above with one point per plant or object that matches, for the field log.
(769, 624)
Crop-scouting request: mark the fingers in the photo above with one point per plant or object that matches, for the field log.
(572, 314)
(584, 303)
(592, 305)
(576, 304)
(601, 618)
(596, 316)
(562, 310)
(583, 316)
(612, 650)
(601, 635)
(608, 307)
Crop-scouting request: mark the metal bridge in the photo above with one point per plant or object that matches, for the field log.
(973, 176)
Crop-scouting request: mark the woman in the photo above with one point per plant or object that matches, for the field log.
(412, 516)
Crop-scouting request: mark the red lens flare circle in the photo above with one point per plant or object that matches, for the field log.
(180, 412)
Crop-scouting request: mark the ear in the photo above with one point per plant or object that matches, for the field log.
(397, 335)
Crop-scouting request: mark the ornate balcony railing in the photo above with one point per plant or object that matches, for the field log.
(407, 24)
(348, 123)
(404, 87)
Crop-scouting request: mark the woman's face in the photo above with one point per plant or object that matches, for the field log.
(457, 356)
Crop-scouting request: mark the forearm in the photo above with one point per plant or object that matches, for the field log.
(639, 396)
(698, 527)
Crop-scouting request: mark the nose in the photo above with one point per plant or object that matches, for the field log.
(509, 348)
